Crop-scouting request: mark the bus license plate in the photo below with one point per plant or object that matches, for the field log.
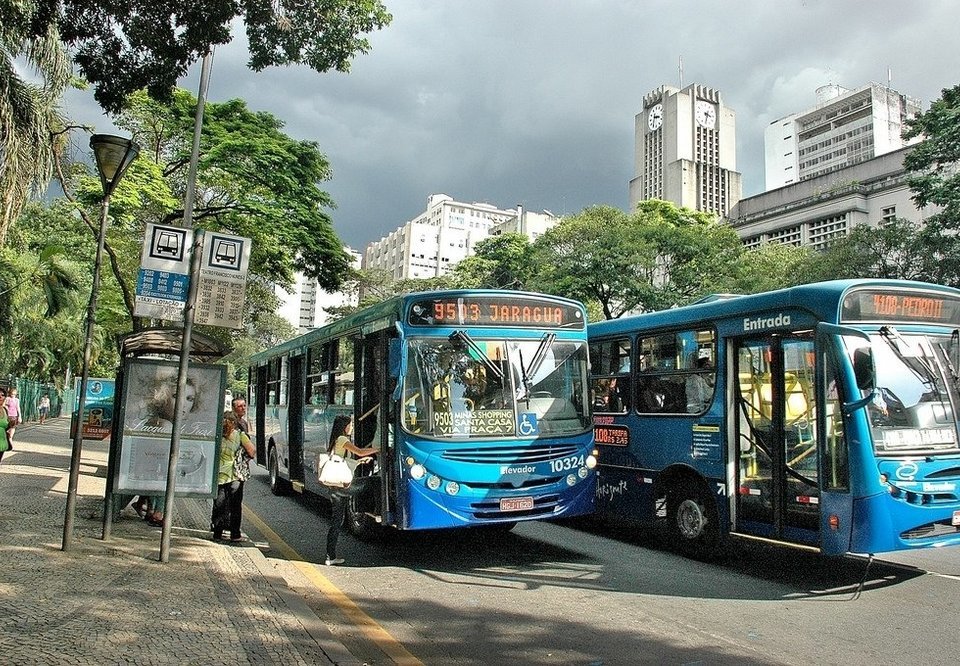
(516, 503)
(956, 519)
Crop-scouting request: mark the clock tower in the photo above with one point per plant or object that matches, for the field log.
(685, 150)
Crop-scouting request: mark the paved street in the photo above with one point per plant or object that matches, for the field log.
(114, 602)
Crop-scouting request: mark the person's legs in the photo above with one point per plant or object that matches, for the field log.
(219, 520)
(236, 510)
(338, 511)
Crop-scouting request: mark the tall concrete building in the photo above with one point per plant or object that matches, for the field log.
(685, 150)
(844, 128)
(428, 245)
(305, 306)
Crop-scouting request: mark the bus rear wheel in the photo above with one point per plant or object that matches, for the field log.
(693, 521)
(277, 485)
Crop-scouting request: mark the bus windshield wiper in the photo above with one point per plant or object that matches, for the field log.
(463, 338)
(539, 356)
(948, 355)
(916, 363)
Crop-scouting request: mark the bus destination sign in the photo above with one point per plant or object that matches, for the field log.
(888, 305)
(508, 311)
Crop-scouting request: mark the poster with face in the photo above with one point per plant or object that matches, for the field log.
(149, 403)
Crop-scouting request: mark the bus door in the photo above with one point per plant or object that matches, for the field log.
(257, 401)
(295, 421)
(776, 457)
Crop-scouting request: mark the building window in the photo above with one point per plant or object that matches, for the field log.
(888, 214)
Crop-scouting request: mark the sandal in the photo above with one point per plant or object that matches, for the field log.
(155, 521)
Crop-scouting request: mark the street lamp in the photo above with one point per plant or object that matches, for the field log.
(113, 154)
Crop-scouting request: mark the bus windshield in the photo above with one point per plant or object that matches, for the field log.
(461, 387)
(916, 391)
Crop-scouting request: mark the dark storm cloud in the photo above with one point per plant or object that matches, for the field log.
(533, 101)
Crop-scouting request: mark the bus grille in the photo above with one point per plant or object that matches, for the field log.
(543, 507)
(510, 455)
(938, 529)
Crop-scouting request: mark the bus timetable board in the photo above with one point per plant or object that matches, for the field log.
(507, 311)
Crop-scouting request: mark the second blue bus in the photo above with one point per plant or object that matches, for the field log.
(824, 416)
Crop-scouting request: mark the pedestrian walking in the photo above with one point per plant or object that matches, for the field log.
(43, 407)
(12, 404)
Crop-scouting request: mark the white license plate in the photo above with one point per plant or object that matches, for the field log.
(956, 518)
(516, 503)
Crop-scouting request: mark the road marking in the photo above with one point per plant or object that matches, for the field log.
(373, 631)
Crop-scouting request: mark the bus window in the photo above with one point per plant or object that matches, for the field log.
(273, 382)
(343, 373)
(610, 370)
(677, 372)
(836, 469)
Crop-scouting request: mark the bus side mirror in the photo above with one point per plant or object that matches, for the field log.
(863, 370)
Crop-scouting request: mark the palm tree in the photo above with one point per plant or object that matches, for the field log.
(30, 121)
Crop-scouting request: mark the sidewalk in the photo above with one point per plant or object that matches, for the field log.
(114, 602)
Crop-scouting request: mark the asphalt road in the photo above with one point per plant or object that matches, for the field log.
(581, 593)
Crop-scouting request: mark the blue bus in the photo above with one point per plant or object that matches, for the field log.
(822, 416)
(477, 400)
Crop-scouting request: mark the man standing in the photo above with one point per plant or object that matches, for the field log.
(239, 406)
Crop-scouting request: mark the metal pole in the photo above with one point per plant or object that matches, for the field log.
(84, 376)
(188, 309)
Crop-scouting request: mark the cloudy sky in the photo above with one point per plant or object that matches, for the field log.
(533, 101)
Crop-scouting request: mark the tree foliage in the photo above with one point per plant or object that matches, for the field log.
(498, 262)
(657, 257)
(31, 124)
(122, 46)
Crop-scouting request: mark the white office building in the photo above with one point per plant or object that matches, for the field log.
(434, 241)
(305, 307)
(685, 150)
(844, 128)
(817, 211)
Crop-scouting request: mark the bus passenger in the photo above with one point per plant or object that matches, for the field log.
(341, 441)
(699, 387)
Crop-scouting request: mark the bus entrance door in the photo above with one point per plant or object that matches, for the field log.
(778, 493)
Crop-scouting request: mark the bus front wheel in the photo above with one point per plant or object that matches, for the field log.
(694, 523)
(277, 485)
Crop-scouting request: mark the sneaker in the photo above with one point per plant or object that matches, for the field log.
(332, 561)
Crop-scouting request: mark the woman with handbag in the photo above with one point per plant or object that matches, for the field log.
(236, 450)
(341, 442)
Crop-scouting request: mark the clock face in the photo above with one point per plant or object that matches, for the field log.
(655, 117)
(706, 114)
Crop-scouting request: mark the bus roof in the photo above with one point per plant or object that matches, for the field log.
(822, 298)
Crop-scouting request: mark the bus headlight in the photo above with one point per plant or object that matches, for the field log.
(591, 461)
(571, 479)
(433, 482)
(452, 488)
(417, 472)
(582, 472)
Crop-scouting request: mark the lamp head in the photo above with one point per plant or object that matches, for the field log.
(114, 154)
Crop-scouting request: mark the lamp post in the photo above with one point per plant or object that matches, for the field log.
(113, 154)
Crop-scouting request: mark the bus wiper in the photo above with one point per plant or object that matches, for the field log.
(948, 356)
(539, 356)
(463, 338)
(916, 363)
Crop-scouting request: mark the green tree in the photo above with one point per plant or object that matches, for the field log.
(772, 266)
(30, 122)
(498, 262)
(896, 250)
(125, 45)
(934, 177)
(253, 180)
(657, 257)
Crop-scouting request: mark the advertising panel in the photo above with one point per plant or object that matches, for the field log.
(97, 417)
(148, 411)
